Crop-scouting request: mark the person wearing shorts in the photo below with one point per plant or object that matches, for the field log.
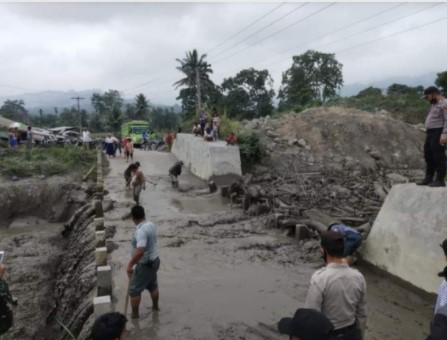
(146, 261)
(353, 240)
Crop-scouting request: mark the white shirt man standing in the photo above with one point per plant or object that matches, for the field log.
(86, 139)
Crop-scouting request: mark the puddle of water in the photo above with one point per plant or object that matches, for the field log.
(197, 205)
(30, 224)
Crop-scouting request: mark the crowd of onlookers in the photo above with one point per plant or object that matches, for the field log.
(209, 129)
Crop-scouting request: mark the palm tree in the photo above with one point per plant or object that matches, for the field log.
(196, 71)
(141, 107)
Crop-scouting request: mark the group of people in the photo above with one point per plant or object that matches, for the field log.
(208, 129)
(15, 137)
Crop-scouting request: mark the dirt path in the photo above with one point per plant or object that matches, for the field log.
(223, 275)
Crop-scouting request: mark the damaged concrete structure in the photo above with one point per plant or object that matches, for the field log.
(406, 234)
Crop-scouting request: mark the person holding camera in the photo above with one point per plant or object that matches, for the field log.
(6, 299)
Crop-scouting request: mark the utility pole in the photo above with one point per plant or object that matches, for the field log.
(79, 113)
(199, 97)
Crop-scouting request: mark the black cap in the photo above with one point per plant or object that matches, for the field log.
(443, 273)
(307, 324)
(430, 90)
(329, 239)
(137, 164)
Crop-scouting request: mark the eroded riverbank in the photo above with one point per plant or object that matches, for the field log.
(224, 275)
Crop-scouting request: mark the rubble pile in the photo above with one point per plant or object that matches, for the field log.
(328, 165)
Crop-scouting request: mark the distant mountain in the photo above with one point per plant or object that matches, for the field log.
(424, 80)
(48, 100)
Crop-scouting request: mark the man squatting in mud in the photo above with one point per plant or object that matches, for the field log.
(174, 172)
(128, 173)
(145, 257)
(138, 183)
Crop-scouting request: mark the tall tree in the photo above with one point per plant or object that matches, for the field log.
(141, 107)
(441, 81)
(14, 110)
(313, 77)
(109, 108)
(196, 71)
(249, 94)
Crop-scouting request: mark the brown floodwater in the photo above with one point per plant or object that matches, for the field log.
(223, 275)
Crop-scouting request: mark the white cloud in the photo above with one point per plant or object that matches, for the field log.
(63, 46)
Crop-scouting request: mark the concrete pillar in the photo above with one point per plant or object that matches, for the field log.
(104, 275)
(99, 224)
(100, 238)
(99, 211)
(101, 256)
(102, 305)
(301, 232)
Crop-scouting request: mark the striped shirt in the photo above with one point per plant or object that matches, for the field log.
(437, 116)
(442, 295)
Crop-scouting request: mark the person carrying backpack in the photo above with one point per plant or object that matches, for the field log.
(353, 240)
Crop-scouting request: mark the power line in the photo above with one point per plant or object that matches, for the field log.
(220, 44)
(369, 29)
(261, 29)
(392, 35)
(245, 28)
(337, 30)
(383, 24)
(280, 31)
(320, 37)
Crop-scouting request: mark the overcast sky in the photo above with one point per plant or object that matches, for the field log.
(80, 46)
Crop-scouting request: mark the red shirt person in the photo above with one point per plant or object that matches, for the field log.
(231, 139)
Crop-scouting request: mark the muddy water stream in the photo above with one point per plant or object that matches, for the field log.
(223, 275)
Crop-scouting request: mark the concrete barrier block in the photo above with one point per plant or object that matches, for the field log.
(406, 234)
(101, 256)
(100, 238)
(206, 159)
(102, 305)
(104, 276)
(99, 223)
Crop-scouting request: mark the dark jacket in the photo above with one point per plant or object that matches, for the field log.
(6, 316)
(438, 327)
(176, 169)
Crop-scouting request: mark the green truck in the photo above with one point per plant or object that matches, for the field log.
(134, 129)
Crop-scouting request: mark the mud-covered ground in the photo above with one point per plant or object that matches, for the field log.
(224, 275)
(32, 213)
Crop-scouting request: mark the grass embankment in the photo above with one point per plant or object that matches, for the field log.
(46, 161)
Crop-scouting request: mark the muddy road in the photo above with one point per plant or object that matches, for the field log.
(223, 275)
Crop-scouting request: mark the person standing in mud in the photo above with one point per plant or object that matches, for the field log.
(29, 138)
(338, 291)
(6, 299)
(139, 183)
(128, 173)
(174, 172)
(434, 147)
(145, 257)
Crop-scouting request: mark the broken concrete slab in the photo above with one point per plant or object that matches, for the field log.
(406, 234)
